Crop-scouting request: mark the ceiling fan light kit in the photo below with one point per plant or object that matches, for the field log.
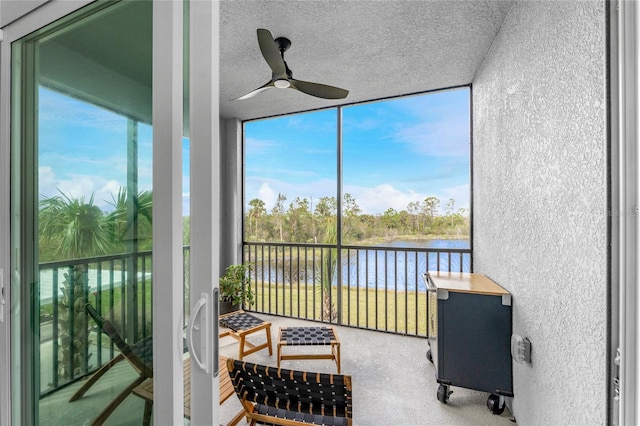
(282, 84)
(282, 77)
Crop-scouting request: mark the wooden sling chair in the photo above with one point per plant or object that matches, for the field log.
(276, 396)
(139, 355)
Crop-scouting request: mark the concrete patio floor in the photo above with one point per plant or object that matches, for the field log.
(393, 384)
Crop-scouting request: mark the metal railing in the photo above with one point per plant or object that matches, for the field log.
(377, 288)
(119, 286)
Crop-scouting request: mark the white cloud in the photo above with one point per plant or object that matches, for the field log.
(377, 199)
(78, 186)
(267, 190)
(371, 200)
(445, 138)
(266, 194)
(459, 193)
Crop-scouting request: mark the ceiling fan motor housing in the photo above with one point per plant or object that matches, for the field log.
(283, 44)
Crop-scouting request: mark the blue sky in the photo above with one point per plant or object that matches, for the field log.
(394, 152)
(83, 151)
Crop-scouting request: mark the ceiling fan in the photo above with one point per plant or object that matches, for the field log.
(282, 78)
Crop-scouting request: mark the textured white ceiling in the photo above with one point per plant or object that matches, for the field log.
(375, 49)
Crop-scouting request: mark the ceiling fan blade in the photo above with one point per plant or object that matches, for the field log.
(270, 52)
(261, 89)
(319, 90)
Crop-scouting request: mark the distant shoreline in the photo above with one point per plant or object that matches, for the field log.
(379, 240)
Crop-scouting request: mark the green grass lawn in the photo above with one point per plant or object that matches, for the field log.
(405, 312)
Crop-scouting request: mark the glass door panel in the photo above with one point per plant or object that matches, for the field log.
(84, 160)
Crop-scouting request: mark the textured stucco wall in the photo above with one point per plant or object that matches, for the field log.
(540, 223)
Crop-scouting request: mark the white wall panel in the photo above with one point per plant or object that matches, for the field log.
(540, 201)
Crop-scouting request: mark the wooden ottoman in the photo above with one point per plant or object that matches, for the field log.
(309, 336)
(241, 325)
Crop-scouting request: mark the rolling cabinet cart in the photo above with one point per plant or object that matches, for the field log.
(469, 335)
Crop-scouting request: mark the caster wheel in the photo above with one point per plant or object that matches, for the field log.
(443, 393)
(496, 404)
(429, 357)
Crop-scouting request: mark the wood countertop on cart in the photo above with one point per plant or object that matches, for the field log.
(465, 282)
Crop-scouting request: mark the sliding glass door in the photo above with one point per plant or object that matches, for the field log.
(84, 192)
(87, 166)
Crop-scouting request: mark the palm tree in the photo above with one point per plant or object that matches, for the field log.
(329, 269)
(120, 219)
(80, 229)
(257, 211)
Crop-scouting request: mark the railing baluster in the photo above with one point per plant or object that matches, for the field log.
(123, 299)
(85, 329)
(290, 281)
(416, 281)
(395, 287)
(298, 278)
(376, 293)
(143, 278)
(348, 287)
(406, 294)
(357, 288)
(313, 260)
(321, 284)
(99, 303)
(276, 279)
(71, 318)
(269, 275)
(56, 324)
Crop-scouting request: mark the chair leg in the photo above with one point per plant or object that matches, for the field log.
(148, 407)
(102, 417)
(279, 353)
(80, 392)
(241, 347)
(268, 330)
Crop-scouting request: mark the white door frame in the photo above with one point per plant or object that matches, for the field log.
(29, 22)
(625, 77)
(205, 204)
(167, 95)
(167, 210)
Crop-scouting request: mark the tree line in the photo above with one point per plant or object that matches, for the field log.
(303, 222)
(75, 227)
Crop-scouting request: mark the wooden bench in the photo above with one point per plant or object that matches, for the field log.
(145, 391)
(279, 396)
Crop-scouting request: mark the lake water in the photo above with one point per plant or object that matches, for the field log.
(403, 269)
(396, 267)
